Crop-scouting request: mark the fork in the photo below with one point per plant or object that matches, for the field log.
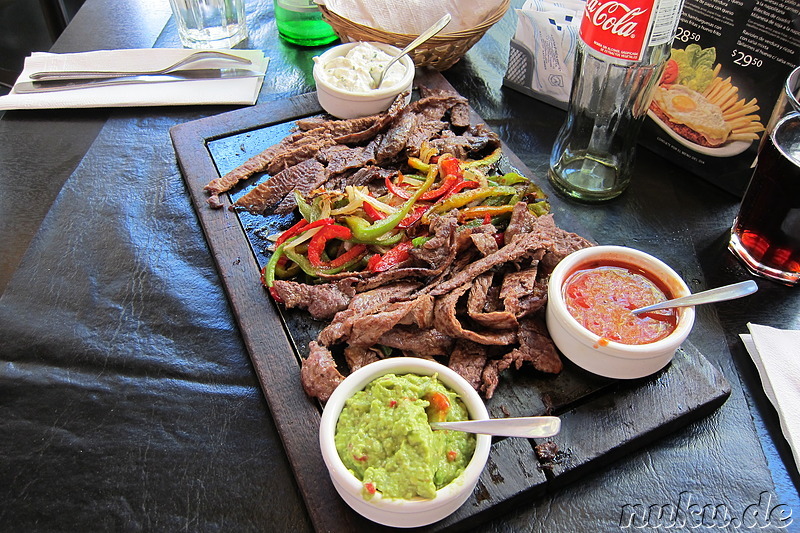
(191, 58)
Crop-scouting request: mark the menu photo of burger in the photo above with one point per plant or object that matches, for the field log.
(700, 109)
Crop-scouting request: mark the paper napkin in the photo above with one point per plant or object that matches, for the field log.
(189, 92)
(416, 15)
(776, 354)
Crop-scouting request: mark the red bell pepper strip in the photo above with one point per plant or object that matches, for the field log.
(450, 166)
(318, 242)
(396, 189)
(449, 181)
(412, 217)
(460, 186)
(392, 258)
(301, 227)
(373, 213)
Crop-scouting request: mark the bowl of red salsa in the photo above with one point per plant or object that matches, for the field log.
(591, 296)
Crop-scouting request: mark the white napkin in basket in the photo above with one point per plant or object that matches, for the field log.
(190, 92)
(776, 353)
(413, 16)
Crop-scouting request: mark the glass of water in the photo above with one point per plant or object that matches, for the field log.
(210, 23)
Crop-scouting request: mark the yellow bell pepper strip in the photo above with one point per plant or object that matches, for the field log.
(364, 231)
(463, 198)
(490, 159)
(316, 247)
(483, 211)
(418, 164)
(392, 258)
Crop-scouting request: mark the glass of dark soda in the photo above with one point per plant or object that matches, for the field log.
(766, 232)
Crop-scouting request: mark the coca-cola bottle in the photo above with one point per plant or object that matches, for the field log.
(621, 53)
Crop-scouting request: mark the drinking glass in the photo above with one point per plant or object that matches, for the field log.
(210, 23)
(766, 232)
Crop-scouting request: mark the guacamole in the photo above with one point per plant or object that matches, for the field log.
(383, 436)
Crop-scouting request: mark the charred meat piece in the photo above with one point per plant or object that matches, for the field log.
(303, 176)
(318, 373)
(322, 301)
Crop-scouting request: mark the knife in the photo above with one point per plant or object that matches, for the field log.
(177, 75)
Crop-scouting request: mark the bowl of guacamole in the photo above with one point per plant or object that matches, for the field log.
(383, 457)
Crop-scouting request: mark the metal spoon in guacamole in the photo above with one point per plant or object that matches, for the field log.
(531, 427)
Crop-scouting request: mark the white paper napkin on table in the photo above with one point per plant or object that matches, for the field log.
(413, 16)
(189, 92)
(776, 353)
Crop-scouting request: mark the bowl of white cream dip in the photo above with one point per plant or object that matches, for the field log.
(343, 79)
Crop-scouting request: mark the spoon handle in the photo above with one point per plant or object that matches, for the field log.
(720, 294)
(531, 427)
(424, 36)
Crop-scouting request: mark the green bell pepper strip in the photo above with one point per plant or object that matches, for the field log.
(511, 178)
(303, 206)
(306, 266)
(382, 241)
(364, 231)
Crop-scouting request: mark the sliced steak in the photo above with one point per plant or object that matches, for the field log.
(522, 294)
(536, 347)
(476, 304)
(418, 342)
(322, 301)
(359, 356)
(468, 360)
(363, 304)
(318, 373)
(267, 194)
(446, 321)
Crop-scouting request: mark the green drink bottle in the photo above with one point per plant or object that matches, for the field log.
(300, 22)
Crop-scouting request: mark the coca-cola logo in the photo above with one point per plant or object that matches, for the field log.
(615, 17)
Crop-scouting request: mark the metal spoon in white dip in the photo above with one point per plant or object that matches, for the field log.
(377, 75)
(531, 427)
(720, 294)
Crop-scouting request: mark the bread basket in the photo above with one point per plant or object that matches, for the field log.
(440, 52)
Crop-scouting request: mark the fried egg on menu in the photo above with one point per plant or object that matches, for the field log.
(684, 106)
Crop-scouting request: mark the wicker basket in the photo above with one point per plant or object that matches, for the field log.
(441, 51)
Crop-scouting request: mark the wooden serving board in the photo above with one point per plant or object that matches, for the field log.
(602, 419)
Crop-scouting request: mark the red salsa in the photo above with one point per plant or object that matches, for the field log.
(602, 297)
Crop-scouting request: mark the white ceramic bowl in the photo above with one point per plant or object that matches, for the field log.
(609, 358)
(344, 104)
(397, 512)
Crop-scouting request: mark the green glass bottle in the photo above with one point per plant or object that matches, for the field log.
(300, 22)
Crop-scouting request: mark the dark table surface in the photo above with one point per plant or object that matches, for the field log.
(127, 398)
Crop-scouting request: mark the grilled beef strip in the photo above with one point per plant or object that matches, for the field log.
(468, 360)
(304, 176)
(318, 372)
(417, 342)
(321, 301)
(363, 304)
(358, 356)
(446, 321)
(476, 306)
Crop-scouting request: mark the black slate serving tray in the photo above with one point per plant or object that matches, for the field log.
(602, 419)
